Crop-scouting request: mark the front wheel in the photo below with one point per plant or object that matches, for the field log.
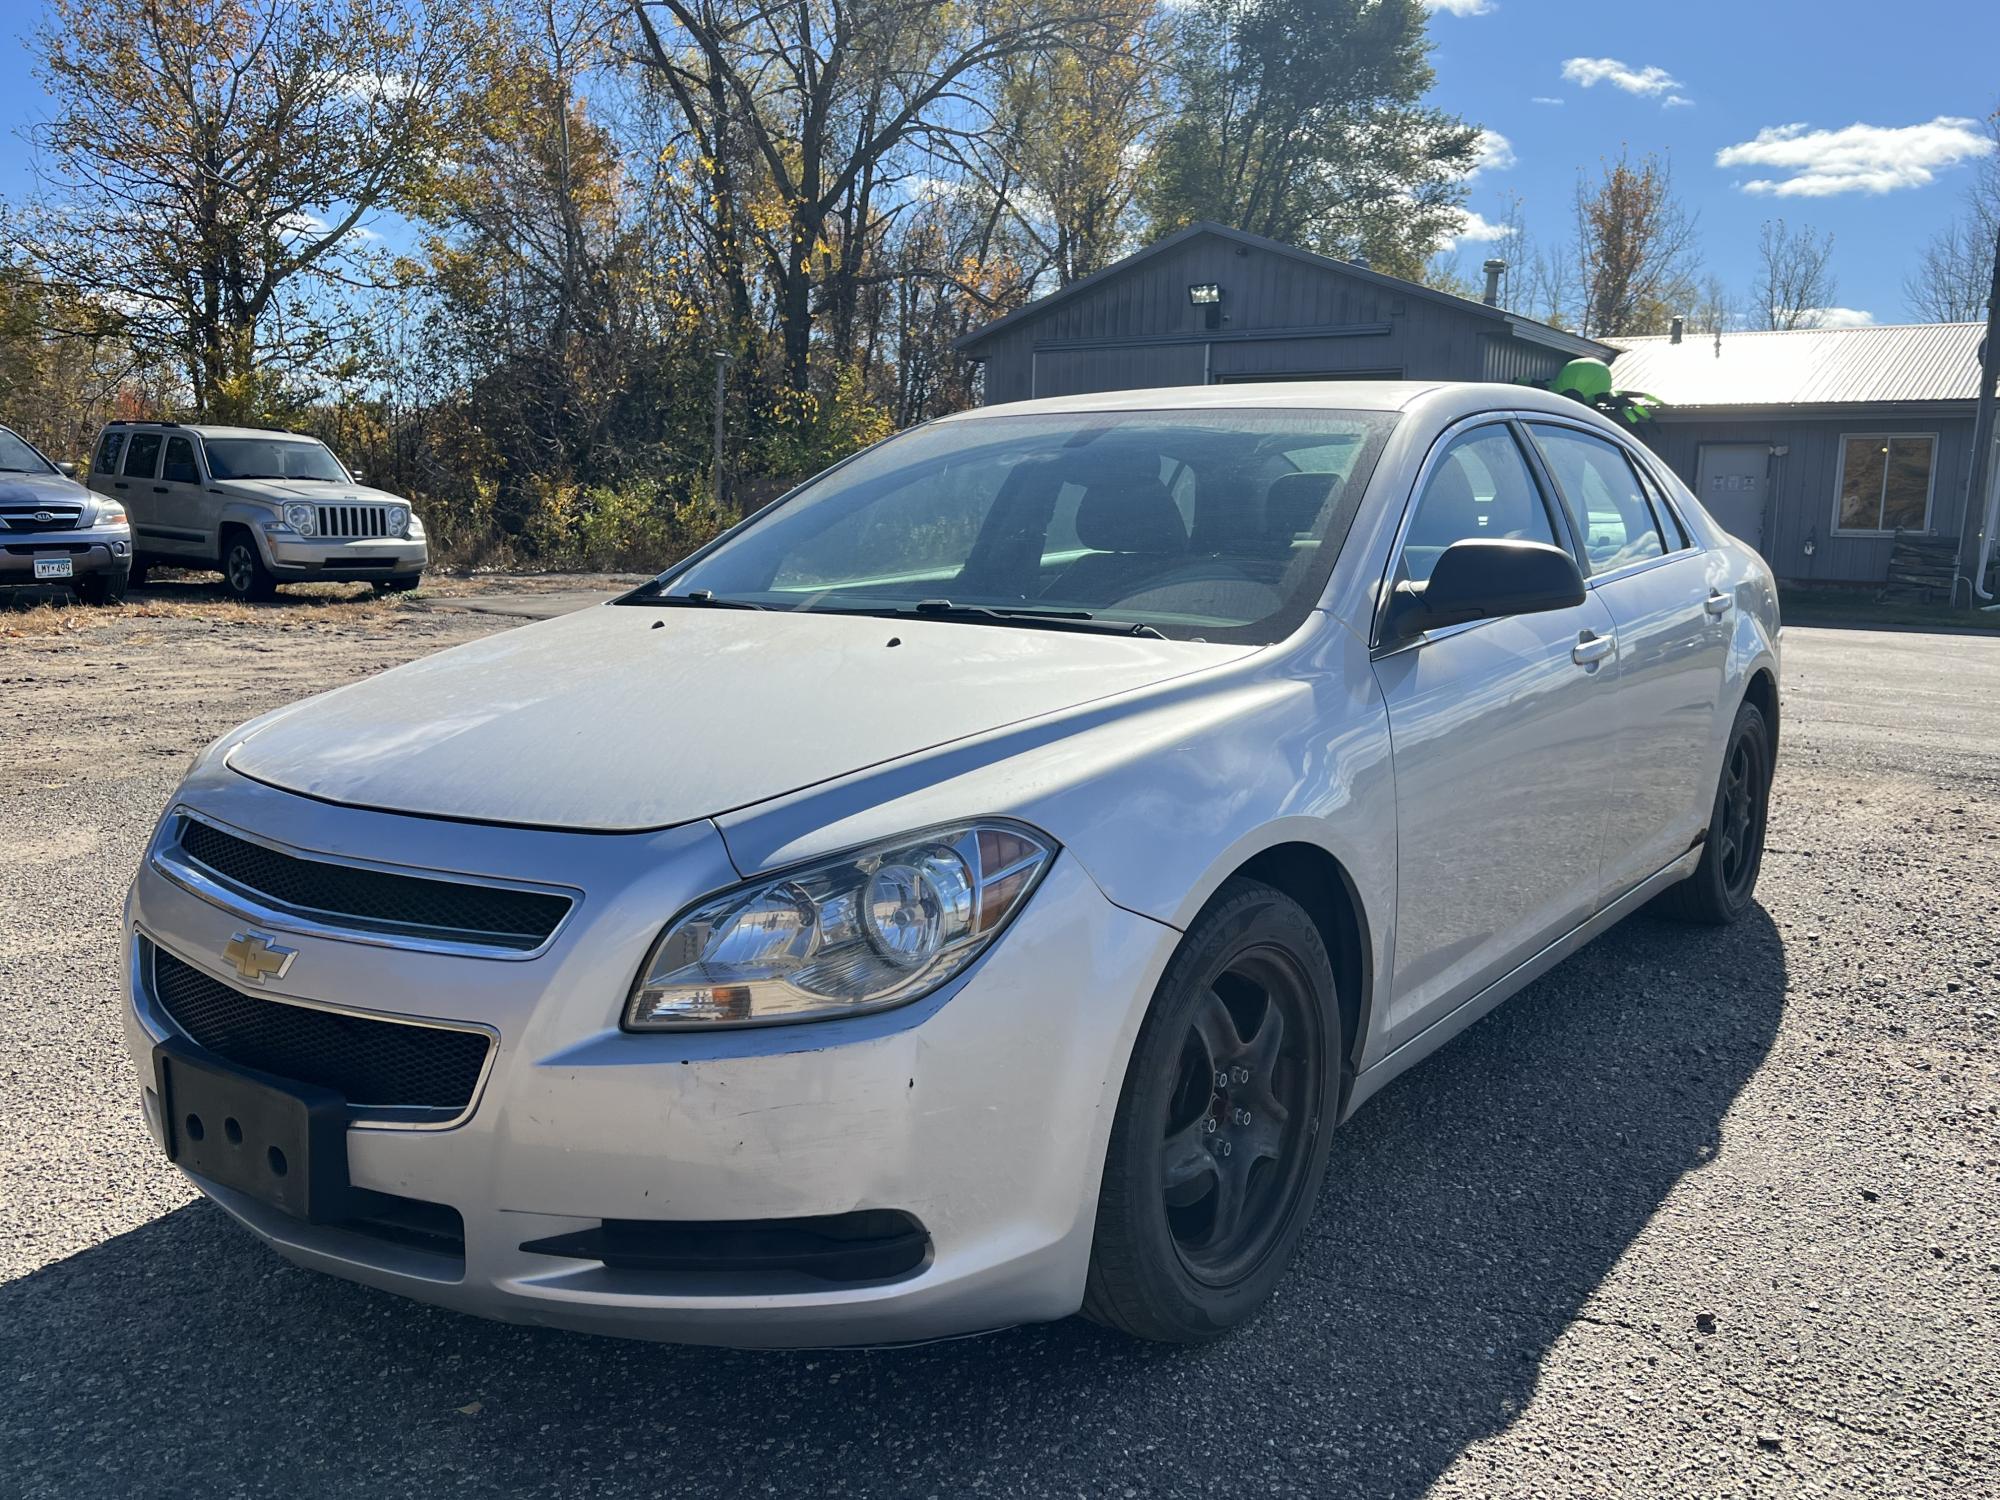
(1723, 885)
(102, 588)
(1221, 1138)
(243, 570)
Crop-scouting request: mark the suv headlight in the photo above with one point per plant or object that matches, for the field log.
(399, 517)
(302, 518)
(109, 513)
(862, 931)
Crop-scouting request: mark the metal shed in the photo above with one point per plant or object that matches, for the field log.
(1210, 304)
(1816, 444)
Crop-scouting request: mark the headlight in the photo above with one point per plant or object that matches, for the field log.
(399, 517)
(302, 518)
(877, 927)
(109, 513)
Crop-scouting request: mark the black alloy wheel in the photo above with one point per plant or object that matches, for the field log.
(1223, 1127)
(1724, 884)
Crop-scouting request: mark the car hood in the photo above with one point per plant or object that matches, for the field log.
(34, 489)
(622, 718)
(279, 491)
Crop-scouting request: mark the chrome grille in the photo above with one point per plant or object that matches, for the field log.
(354, 521)
(16, 517)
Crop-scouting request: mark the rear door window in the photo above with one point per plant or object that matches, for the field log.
(180, 465)
(1605, 500)
(142, 455)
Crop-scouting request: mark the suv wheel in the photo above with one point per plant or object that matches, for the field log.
(1223, 1129)
(243, 570)
(102, 588)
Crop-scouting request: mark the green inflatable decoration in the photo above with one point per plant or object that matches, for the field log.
(1589, 381)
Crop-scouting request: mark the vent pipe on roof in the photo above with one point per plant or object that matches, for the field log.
(1675, 329)
(1494, 269)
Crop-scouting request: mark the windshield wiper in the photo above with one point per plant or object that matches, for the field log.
(697, 598)
(1045, 619)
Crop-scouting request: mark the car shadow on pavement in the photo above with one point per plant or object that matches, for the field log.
(1473, 1210)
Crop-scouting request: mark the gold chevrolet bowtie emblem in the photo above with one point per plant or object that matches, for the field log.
(257, 958)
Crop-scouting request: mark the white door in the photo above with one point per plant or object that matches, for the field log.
(1732, 480)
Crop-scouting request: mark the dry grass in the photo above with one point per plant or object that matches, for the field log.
(308, 604)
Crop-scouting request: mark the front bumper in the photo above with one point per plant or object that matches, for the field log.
(304, 559)
(106, 551)
(982, 1111)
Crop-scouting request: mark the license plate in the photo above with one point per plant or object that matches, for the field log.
(52, 567)
(281, 1142)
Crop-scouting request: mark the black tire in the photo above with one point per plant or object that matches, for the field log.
(1169, 1262)
(1724, 885)
(243, 572)
(98, 589)
(398, 585)
(137, 578)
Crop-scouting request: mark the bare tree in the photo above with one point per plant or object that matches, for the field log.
(1714, 310)
(1795, 282)
(1954, 273)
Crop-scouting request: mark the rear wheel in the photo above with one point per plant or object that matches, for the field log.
(243, 570)
(1724, 884)
(137, 578)
(1221, 1138)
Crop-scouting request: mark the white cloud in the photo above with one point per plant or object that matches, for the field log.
(1677, 101)
(1855, 159)
(1476, 230)
(305, 226)
(1493, 152)
(1837, 317)
(1591, 71)
(1545, 99)
(1462, 7)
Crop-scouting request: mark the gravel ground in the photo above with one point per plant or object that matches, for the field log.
(1697, 1214)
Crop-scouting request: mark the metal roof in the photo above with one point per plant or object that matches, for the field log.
(1559, 339)
(1873, 366)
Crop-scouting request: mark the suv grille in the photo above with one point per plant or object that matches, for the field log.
(354, 520)
(28, 517)
(375, 1064)
(493, 916)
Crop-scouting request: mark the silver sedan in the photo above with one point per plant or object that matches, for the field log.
(971, 890)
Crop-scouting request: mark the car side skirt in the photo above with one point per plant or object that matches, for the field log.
(1371, 1080)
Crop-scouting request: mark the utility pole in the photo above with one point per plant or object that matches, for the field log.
(1972, 527)
(721, 373)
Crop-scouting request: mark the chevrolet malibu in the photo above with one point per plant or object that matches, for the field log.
(971, 890)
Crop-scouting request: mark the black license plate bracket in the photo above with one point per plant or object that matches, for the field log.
(280, 1141)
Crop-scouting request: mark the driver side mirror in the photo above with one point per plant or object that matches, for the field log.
(1485, 580)
(66, 469)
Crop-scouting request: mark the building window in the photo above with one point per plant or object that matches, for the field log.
(1885, 482)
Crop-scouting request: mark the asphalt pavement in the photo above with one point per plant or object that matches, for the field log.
(1699, 1213)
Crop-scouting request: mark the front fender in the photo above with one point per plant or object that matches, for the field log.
(1161, 795)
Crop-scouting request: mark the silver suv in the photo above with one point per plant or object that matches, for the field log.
(54, 531)
(264, 507)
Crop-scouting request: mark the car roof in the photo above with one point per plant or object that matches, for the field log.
(1444, 399)
(209, 430)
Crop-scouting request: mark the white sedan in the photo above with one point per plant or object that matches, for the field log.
(969, 891)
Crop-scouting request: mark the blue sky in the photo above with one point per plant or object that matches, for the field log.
(1825, 113)
(1835, 113)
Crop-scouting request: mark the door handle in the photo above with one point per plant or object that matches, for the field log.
(1592, 649)
(159, 489)
(1717, 604)
(119, 484)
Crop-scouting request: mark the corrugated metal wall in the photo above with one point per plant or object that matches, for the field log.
(1282, 318)
(1803, 481)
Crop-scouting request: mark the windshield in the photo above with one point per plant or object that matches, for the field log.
(1221, 525)
(273, 458)
(18, 456)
